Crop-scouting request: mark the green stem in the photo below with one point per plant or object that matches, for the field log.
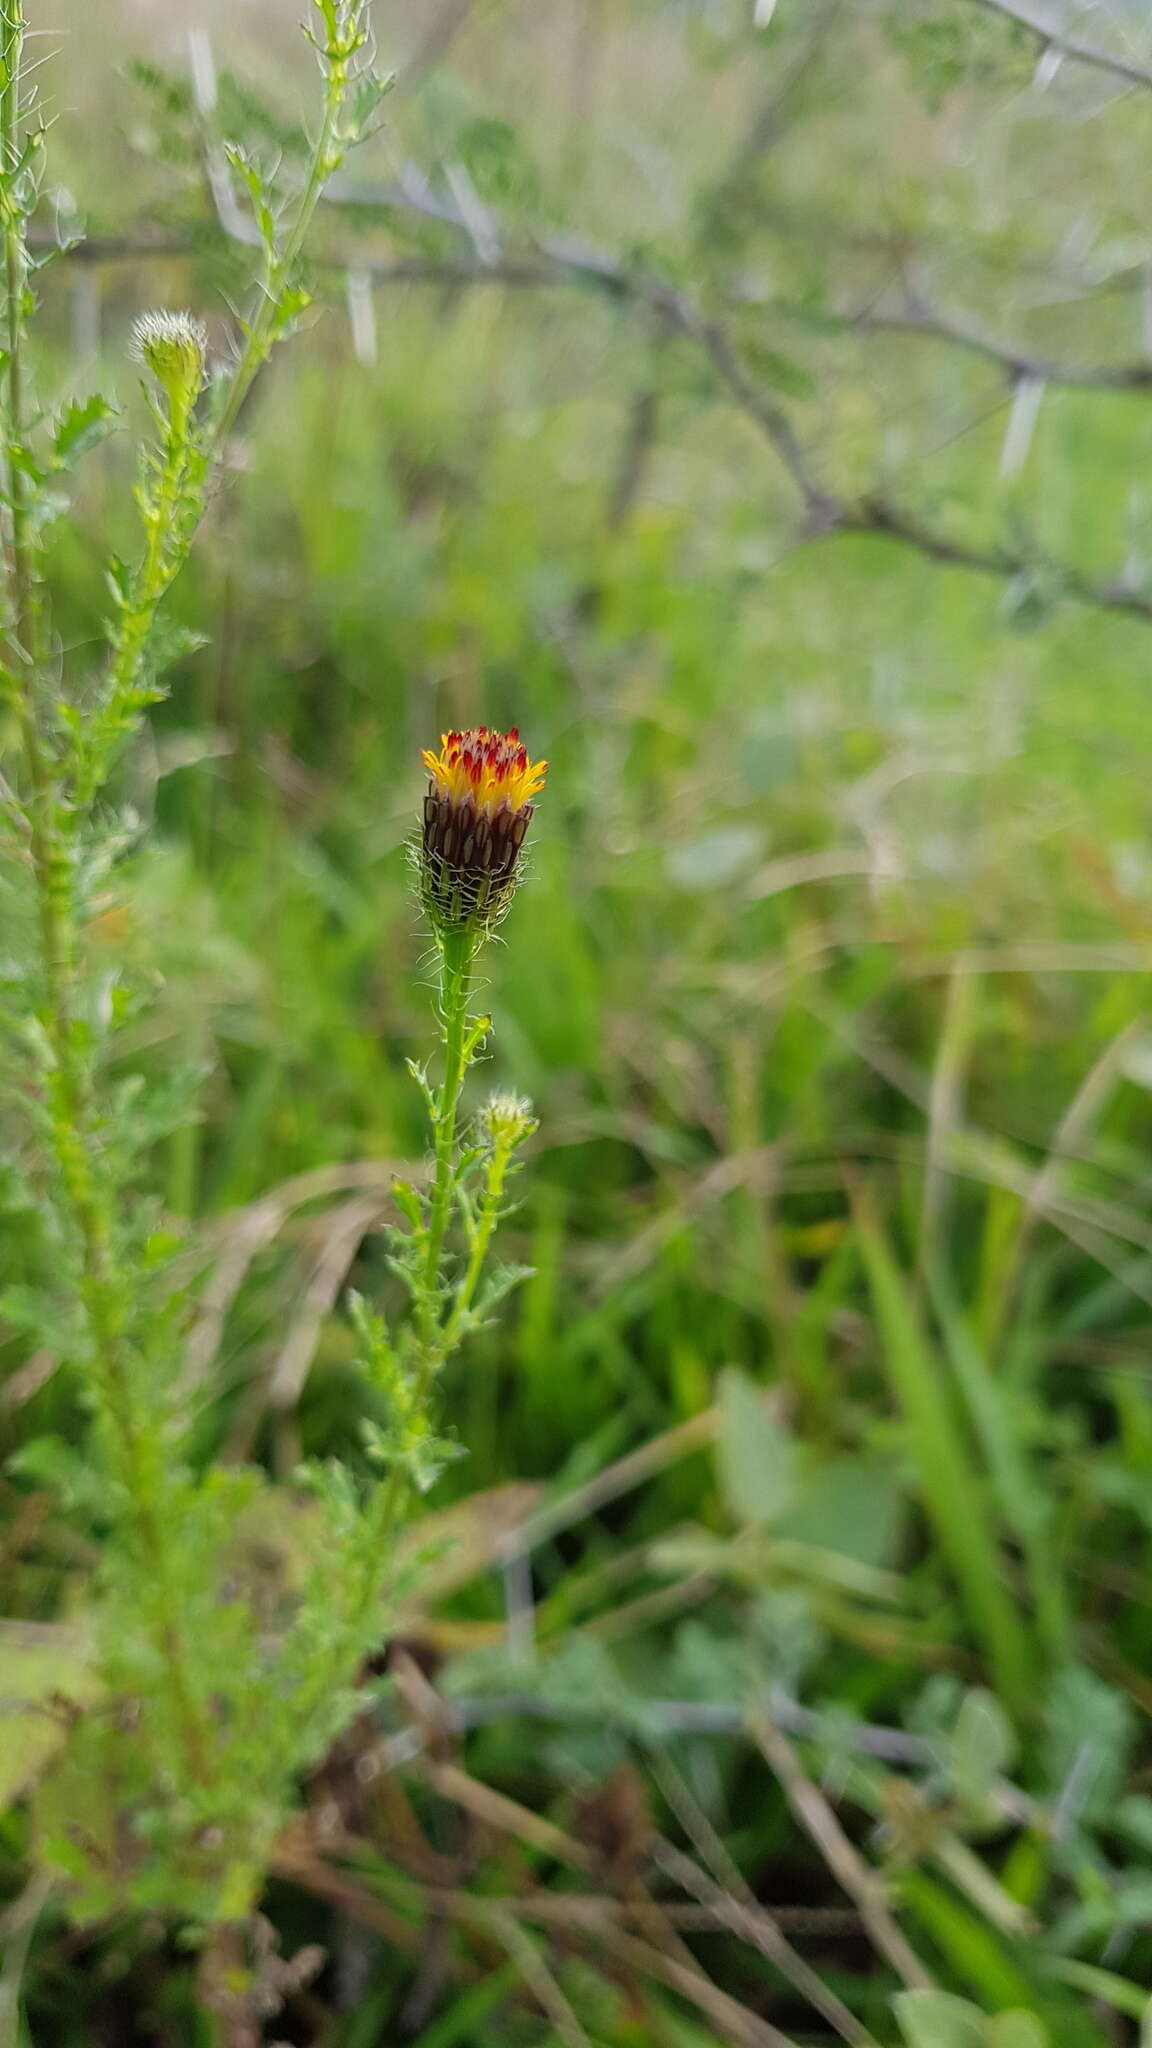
(480, 1244)
(457, 956)
(15, 276)
(457, 953)
(281, 264)
(162, 558)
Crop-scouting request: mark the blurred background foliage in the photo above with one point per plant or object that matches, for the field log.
(829, 987)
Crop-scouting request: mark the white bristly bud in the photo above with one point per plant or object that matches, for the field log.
(507, 1120)
(174, 347)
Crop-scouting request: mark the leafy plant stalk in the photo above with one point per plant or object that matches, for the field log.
(161, 560)
(68, 754)
(480, 1240)
(441, 1300)
(102, 1289)
(476, 813)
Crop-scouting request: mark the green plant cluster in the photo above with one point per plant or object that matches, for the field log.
(211, 1693)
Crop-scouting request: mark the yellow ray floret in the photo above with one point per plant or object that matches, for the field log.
(490, 767)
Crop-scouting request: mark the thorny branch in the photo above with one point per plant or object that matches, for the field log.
(1051, 37)
(556, 261)
(560, 260)
(548, 262)
(917, 316)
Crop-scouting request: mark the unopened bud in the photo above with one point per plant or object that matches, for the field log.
(507, 1120)
(174, 347)
(476, 813)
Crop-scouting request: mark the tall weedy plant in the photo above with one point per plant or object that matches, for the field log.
(215, 1695)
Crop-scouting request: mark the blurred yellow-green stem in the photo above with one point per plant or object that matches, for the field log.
(457, 955)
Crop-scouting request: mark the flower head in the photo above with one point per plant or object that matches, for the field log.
(476, 813)
(506, 1120)
(174, 347)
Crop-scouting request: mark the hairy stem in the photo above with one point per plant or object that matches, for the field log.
(433, 1331)
(162, 559)
(457, 953)
(495, 1175)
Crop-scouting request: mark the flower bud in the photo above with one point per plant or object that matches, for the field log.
(476, 814)
(506, 1120)
(174, 347)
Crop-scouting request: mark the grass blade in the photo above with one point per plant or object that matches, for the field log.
(953, 1488)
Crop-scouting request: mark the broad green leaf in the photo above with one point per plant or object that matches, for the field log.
(982, 1746)
(851, 1507)
(1090, 1729)
(1016, 2030)
(756, 1457)
(82, 424)
(45, 1673)
(935, 2019)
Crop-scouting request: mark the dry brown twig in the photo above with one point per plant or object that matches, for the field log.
(732, 1899)
(862, 1884)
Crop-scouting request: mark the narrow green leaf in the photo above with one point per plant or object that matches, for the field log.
(952, 1487)
(456, 2027)
(1022, 1504)
(1106, 1986)
(977, 1956)
(44, 1670)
